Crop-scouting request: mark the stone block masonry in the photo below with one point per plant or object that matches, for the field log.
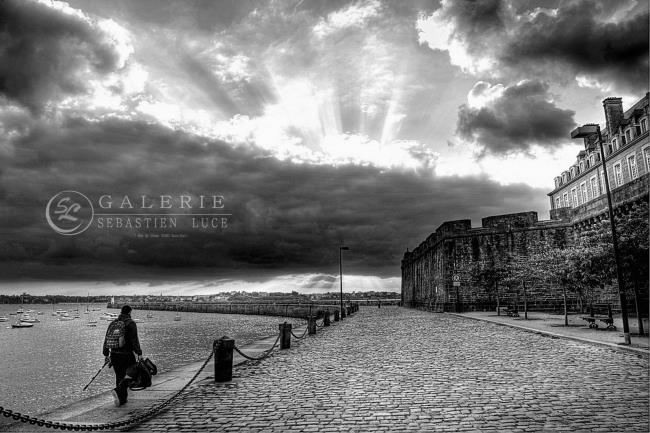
(455, 247)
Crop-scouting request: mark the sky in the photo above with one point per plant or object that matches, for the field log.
(317, 123)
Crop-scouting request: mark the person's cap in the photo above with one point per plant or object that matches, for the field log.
(126, 309)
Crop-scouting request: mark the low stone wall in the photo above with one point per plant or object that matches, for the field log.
(302, 311)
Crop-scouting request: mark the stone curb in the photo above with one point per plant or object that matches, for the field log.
(636, 350)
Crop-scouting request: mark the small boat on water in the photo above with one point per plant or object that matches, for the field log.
(40, 313)
(29, 319)
(21, 325)
(4, 319)
(20, 311)
(177, 318)
(92, 323)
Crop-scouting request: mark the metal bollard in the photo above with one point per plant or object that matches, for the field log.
(285, 335)
(311, 325)
(326, 319)
(223, 348)
(336, 315)
(343, 313)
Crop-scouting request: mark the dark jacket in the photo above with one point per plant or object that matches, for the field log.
(131, 341)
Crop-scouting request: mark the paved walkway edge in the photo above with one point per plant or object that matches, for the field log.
(553, 334)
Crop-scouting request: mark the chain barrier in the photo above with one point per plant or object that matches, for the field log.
(304, 334)
(131, 422)
(265, 355)
(105, 426)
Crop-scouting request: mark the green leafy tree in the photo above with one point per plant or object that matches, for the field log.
(556, 266)
(525, 272)
(492, 275)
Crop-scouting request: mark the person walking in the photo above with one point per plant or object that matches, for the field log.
(120, 344)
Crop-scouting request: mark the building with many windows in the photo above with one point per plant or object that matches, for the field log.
(579, 191)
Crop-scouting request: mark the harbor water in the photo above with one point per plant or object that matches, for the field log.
(47, 366)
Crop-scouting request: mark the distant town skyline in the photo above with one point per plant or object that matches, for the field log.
(320, 123)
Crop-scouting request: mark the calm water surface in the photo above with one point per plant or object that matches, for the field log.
(47, 366)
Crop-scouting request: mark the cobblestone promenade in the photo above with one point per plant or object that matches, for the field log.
(394, 369)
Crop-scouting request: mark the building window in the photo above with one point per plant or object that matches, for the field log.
(646, 158)
(565, 197)
(614, 146)
(618, 175)
(573, 172)
(592, 159)
(574, 197)
(564, 177)
(582, 166)
(595, 190)
(631, 163)
(558, 202)
(644, 125)
(628, 135)
(583, 193)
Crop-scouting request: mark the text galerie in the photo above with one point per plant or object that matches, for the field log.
(125, 211)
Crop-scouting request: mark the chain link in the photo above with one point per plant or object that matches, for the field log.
(304, 334)
(265, 355)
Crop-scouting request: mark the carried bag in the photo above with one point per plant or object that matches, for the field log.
(115, 334)
(141, 373)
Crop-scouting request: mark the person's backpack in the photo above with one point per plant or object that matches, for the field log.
(115, 334)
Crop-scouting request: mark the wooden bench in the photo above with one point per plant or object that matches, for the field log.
(607, 320)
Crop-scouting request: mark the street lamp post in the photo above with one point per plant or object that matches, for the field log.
(587, 131)
(341, 248)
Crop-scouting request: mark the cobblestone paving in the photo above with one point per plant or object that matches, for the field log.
(394, 369)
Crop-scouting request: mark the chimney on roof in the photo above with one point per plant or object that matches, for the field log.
(613, 114)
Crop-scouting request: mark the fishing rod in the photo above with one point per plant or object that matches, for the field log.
(97, 374)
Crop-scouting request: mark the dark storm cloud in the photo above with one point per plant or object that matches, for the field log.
(42, 51)
(611, 51)
(606, 41)
(285, 216)
(521, 116)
